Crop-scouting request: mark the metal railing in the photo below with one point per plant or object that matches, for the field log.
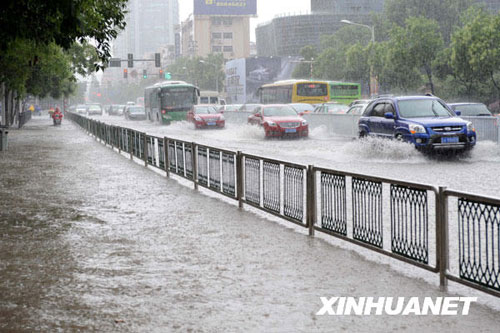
(442, 231)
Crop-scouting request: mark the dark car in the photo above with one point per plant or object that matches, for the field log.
(249, 107)
(279, 120)
(425, 121)
(206, 116)
(93, 109)
(471, 109)
(135, 112)
(116, 109)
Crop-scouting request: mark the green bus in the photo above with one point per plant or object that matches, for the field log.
(344, 92)
(169, 101)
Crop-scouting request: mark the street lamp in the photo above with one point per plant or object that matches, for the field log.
(217, 73)
(373, 79)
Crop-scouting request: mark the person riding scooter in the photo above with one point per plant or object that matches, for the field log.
(57, 117)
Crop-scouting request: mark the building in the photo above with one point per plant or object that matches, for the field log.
(287, 35)
(218, 26)
(150, 29)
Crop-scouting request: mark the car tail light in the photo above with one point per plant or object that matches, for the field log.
(163, 111)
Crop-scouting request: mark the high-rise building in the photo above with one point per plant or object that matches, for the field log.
(150, 28)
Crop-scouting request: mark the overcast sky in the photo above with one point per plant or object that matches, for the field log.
(266, 10)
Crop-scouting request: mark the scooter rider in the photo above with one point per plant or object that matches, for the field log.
(57, 116)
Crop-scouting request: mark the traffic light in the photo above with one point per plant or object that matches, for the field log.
(161, 74)
(130, 60)
(144, 74)
(125, 73)
(157, 60)
(168, 75)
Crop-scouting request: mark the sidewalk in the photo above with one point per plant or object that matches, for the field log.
(92, 241)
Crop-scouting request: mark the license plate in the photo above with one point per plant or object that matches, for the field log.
(451, 139)
(211, 123)
(290, 130)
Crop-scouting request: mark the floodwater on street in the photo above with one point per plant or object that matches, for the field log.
(477, 172)
(91, 241)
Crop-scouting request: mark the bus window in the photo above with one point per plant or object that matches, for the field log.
(312, 89)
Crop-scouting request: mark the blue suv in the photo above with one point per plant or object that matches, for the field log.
(425, 121)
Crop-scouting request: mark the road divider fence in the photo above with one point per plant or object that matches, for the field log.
(453, 234)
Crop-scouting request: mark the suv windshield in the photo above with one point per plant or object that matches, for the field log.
(279, 111)
(420, 108)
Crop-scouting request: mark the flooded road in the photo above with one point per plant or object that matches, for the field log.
(476, 173)
(91, 241)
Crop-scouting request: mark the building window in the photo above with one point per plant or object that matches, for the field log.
(228, 48)
(217, 49)
(216, 35)
(228, 35)
(216, 20)
(227, 21)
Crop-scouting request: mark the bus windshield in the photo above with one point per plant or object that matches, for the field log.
(312, 89)
(178, 97)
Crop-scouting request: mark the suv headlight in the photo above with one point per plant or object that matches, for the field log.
(221, 117)
(197, 118)
(414, 129)
(470, 127)
(304, 122)
(271, 123)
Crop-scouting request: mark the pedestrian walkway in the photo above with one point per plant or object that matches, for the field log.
(92, 241)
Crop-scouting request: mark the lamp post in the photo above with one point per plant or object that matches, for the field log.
(216, 76)
(373, 79)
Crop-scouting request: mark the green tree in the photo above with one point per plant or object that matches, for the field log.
(446, 12)
(475, 52)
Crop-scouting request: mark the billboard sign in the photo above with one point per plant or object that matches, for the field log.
(225, 7)
(235, 81)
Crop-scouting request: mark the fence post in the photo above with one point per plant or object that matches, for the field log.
(311, 199)
(194, 161)
(145, 149)
(442, 240)
(167, 162)
(239, 178)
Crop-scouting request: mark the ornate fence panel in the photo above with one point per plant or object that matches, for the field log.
(271, 186)
(179, 154)
(188, 157)
(252, 180)
(215, 169)
(409, 223)
(293, 205)
(333, 203)
(229, 174)
(202, 166)
(367, 211)
(479, 243)
(161, 154)
(172, 156)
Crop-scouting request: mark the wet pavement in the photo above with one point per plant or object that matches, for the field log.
(91, 241)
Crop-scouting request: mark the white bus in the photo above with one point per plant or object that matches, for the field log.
(210, 97)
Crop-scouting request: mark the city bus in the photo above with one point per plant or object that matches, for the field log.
(169, 101)
(344, 92)
(294, 91)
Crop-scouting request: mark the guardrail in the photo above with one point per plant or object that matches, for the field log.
(411, 222)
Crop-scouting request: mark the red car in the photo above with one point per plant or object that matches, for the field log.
(206, 116)
(279, 120)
